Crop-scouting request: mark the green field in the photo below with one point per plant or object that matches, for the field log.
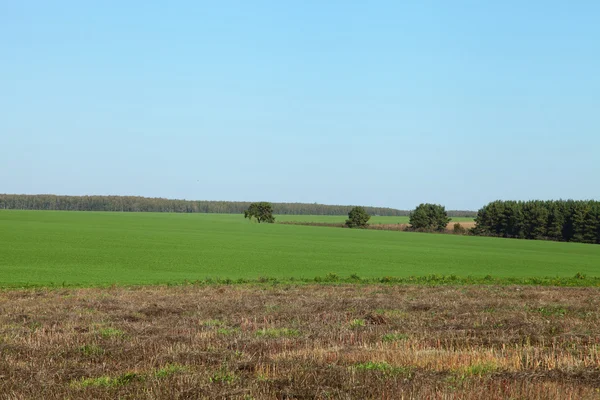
(342, 218)
(83, 248)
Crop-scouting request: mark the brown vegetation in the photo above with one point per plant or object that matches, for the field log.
(383, 227)
(301, 342)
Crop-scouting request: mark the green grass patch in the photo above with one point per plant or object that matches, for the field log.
(552, 311)
(107, 333)
(213, 322)
(227, 331)
(223, 376)
(477, 370)
(394, 337)
(54, 249)
(392, 313)
(357, 323)
(91, 350)
(169, 370)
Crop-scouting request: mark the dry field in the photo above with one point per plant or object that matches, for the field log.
(301, 342)
(403, 227)
(382, 227)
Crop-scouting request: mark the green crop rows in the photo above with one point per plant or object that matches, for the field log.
(98, 248)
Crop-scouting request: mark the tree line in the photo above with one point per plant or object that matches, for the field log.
(561, 220)
(425, 218)
(147, 204)
(558, 220)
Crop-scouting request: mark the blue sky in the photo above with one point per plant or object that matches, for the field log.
(385, 103)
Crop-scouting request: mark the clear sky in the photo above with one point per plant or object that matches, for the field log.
(386, 103)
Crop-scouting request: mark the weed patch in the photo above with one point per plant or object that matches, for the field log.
(168, 370)
(383, 367)
(227, 331)
(222, 376)
(357, 323)
(107, 333)
(91, 350)
(394, 337)
(478, 370)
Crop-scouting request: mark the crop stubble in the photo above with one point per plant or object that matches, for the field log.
(286, 341)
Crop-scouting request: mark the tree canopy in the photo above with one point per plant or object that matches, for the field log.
(262, 211)
(429, 217)
(562, 220)
(152, 204)
(358, 218)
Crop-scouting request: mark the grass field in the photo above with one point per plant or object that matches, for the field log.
(86, 248)
(308, 342)
(342, 218)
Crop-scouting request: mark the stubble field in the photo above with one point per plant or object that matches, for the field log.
(301, 342)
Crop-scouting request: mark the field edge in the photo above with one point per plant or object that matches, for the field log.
(578, 280)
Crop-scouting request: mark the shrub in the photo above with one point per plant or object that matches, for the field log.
(459, 229)
(429, 217)
(358, 218)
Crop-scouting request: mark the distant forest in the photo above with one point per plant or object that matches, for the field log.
(148, 204)
(561, 220)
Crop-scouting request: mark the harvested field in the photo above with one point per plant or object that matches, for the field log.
(300, 342)
(402, 227)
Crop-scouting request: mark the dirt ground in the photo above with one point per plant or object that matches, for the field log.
(301, 342)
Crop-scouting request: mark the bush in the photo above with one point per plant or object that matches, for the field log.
(358, 218)
(459, 229)
(429, 217)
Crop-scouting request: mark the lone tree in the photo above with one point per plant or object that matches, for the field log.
(262, 211)
(429, 217)
(358, 218)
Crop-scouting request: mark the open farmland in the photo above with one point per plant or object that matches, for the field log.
(301, 342)
(285, 340)
(99, 248)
